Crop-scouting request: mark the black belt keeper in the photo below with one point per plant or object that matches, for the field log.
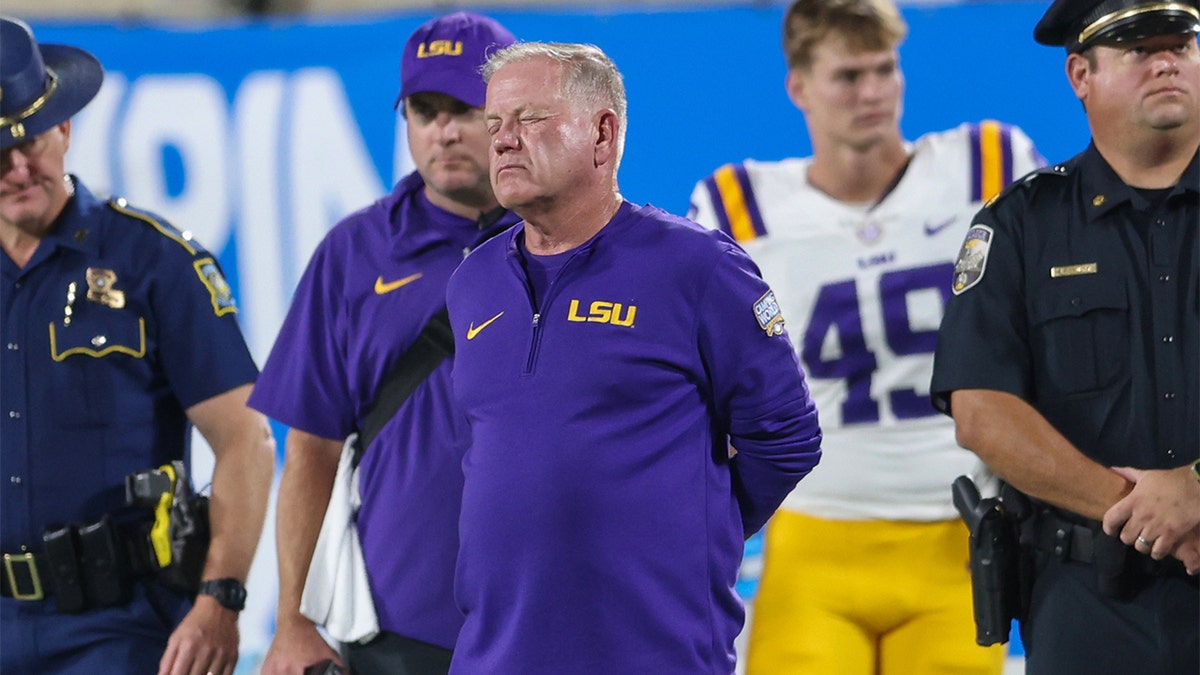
(105, 570)
(61, 543)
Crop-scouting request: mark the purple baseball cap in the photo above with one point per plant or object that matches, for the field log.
(446, 54)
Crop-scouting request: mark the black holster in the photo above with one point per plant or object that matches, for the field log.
(186, 524)
(1001, 570)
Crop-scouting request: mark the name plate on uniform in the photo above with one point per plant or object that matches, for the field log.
(1072, 270)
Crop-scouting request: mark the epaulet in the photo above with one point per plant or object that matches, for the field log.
(120, 205)
(734, 203)
(1059, 170)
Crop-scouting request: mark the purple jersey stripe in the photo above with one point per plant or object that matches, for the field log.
(1006, 153)
(976, 165)
(714, 194)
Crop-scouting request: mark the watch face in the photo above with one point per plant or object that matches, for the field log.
(229, 592)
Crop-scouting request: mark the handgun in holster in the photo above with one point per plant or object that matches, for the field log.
(178, 537)
(998, 582)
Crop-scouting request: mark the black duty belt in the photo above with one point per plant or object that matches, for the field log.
(26, 577)
(84, 567)
(1071, 541)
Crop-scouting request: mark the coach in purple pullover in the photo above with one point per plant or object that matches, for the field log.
(370, 287)
(607, 356)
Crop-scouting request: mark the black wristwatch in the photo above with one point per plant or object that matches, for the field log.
(229, 592)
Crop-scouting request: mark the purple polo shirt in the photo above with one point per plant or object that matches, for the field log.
(602, 519)
(367, 292)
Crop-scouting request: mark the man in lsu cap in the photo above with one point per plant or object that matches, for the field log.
(369, 290)
(1069, 355)
(120, 333)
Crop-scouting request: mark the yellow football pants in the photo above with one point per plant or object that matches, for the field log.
(866, 598)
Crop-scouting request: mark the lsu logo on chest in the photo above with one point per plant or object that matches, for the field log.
(602, 311)
(439, 48)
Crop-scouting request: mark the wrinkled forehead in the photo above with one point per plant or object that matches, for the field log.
(529, 83)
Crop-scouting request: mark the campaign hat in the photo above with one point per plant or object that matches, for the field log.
(447, 54)
(41, 85)
(1079, 24)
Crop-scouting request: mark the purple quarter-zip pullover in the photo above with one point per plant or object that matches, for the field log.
(602, 518)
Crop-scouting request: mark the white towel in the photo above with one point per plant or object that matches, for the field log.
(337, 592)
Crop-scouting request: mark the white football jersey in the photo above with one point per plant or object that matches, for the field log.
(862, 289)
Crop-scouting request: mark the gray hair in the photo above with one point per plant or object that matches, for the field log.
(588, 75)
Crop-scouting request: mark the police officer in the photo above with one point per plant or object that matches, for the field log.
(1070, 345)
(118, 333)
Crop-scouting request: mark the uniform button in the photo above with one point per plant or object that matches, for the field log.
(14, 414)
(1165, 278)
(1168, 338)
(1160, 222)
(18, 285)
(15, 480)
(1170, 396)
(1171, 453)
(12, 346)
(1075, 302)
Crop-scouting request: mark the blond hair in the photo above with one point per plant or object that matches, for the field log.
(866, 25)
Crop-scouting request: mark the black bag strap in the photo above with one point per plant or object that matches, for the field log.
(432, 346)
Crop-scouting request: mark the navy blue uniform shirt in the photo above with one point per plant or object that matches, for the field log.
(1081, 295)
(113, 329)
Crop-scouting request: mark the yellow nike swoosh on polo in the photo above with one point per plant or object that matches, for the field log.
(381, 287)
(473, 330)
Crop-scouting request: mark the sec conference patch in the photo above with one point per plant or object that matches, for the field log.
(972, 259)
(770, 318)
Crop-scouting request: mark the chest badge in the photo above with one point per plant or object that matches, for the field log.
(101, 288)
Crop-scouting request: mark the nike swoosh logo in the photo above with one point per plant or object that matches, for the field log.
(382, 287)
(473, 330)
(932, 229)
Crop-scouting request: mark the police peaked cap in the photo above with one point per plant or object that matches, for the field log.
(40, 85)
(1079, 24)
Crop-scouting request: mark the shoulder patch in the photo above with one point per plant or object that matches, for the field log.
(121, 206)
(210, 275)
(770, 317)
(972, 259)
